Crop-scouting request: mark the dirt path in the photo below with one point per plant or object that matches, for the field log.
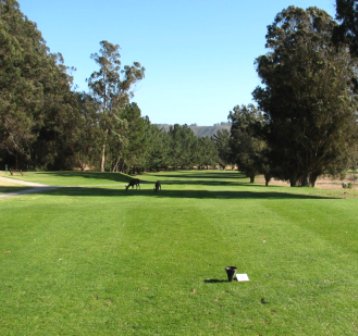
(36, 187)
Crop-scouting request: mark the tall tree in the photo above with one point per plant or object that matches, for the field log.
(306, 95)
(34, 89)
(111, 85)
(22, 50)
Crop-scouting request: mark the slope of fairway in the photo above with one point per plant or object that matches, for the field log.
(92, 259)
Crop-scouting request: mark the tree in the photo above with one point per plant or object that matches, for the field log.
(222, 142)
(247, 140)
(306, 96)
(86, 147)
(182, 146)
(111, 87)
(21, 51)
(58, 124)
(35, 96)
(132, 157)
(206, 153)
(158, 156)
(347, 31)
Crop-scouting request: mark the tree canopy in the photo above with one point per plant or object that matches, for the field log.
(306, 96)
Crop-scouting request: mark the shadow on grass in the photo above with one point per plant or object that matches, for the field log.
(215, 281)
(195, 194)
(200, 175)
(11, 189)
(116, 177)
(200, 178)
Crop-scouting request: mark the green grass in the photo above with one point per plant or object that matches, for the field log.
(96, 260)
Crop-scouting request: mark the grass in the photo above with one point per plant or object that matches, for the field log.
(95, 260)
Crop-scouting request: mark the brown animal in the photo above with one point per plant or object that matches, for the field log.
(133, 183)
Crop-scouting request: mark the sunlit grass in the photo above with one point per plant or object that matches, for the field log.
(96, 260)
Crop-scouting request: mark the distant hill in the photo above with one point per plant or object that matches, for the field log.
(201, 131)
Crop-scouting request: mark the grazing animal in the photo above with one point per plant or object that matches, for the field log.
(133, 183)
(157, 186)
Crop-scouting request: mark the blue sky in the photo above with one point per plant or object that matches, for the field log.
(199, 54)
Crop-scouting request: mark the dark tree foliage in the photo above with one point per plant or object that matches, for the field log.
(347, 31)
(222, 142)
(247, 140)
(158, 157)
(206, 153)
(133, 154)
(36, 115)
(86, 144)
(182, 144)
(306, 95)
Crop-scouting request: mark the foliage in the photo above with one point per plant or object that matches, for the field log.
(133, 154)
(307, 97)
(182, 146)
(158, 149)
(111, 87)
(206, 153)
(347, 31)
(247, 140)
(222, 142)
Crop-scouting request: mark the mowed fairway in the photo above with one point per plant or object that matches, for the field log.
(96, 260)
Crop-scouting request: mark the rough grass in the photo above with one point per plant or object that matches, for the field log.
(96, 260)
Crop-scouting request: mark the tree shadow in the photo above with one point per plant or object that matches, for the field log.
(190, 194)
(200, 178)
(201, 175)
(116, 177)
(11, 189)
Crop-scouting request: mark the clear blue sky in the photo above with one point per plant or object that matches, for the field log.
(198, 54)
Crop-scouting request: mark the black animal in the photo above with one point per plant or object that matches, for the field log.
(157, 186)
(133, 183)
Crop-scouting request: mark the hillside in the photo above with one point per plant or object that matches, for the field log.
(201, 131)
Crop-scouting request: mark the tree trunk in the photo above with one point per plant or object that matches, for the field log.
(252, 178)
(313, 179)
(103, 157)
(293, 182)
(267, 179)
(304, 181)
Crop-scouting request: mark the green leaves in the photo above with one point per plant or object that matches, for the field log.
(303, 74)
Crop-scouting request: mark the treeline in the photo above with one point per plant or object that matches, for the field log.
(304, 123)
(44, 124)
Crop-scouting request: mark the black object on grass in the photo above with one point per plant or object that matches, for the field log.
(230, 271)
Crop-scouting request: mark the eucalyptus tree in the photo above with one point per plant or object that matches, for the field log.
(306, 95)
(111, 86)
